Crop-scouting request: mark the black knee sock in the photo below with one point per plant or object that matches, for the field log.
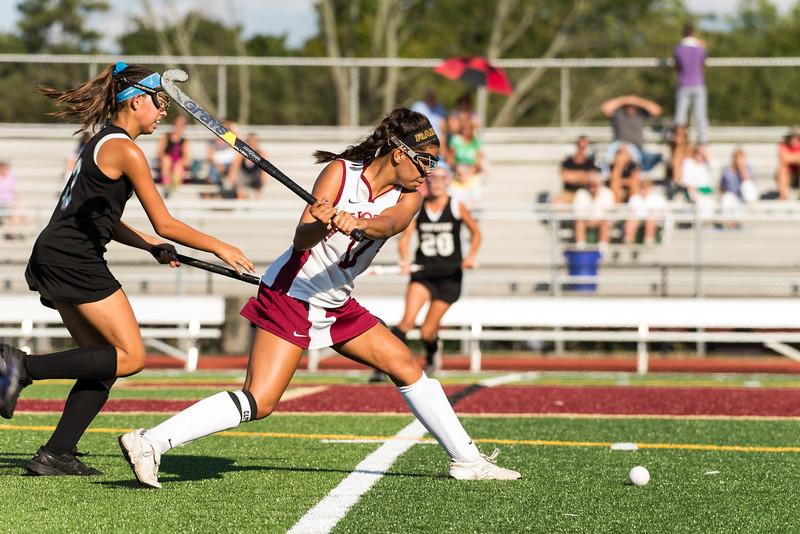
(96, 362)
(398, 333)
(84, 402)
(430, 349)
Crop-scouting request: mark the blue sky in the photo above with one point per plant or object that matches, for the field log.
(293, 17)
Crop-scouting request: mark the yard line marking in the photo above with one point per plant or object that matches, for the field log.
(323, 517)
(353, 438)
(329, 511)
(507, 379)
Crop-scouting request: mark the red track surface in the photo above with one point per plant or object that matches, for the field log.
(531, 363)
(627, 400)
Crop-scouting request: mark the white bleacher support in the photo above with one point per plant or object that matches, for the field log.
(772, 322)
(186, 318)
(313, 360)
(784, 349)
(475, 347)
(642, 357)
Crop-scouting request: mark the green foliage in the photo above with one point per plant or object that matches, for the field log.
(435, 28)
(46, 26)
(58, 26)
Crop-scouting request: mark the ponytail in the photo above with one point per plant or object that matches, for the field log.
(399, 123)
(93, 103)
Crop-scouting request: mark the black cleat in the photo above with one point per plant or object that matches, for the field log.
(46, 463)
(13, 378)
(376, 377)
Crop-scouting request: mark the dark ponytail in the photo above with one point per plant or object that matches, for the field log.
(401, 122)
(93, 103)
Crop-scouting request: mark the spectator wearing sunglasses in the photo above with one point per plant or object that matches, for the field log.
(67, 265)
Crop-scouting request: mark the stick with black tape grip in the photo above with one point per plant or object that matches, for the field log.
(218, 269)
(168, 80)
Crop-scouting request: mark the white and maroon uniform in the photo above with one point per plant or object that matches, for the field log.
(304, 296)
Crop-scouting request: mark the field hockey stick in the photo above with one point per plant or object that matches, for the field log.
(378, 270)
(218, 269)
(168, 80)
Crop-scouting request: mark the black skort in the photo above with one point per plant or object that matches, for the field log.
(77, 284)
(444, 288)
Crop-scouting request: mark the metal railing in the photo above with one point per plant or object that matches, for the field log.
(564, 65)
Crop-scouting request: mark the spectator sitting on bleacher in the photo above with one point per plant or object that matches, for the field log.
(575, 170)
(789, 163)
(628, 115)
(647, 207)
(737, 183)
(9, 201)
(467, 160)
(250, 179)
(431, 108)
(697, 177)
(463, 111)
(592, 207)
(679, 148)
(220, 159)
(173, 154)
(624, 183)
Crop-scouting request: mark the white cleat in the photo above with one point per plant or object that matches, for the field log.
(484, 468)
(143, 457)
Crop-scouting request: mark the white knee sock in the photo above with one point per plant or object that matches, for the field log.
(427, 401)
(216, 413)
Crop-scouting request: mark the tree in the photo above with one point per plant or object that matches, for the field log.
(58, 25)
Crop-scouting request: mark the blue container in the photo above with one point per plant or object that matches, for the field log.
(582, 263)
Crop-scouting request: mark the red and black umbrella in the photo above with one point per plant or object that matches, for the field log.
(476, 71)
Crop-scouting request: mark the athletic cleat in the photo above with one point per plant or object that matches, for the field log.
(484, 468)
(142, 456)
(13, 378)
(376, 377)
(46, 463)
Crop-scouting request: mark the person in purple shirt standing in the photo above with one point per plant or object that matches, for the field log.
(690, 57)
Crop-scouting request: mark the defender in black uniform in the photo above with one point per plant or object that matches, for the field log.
(438, 262)
(67, 266)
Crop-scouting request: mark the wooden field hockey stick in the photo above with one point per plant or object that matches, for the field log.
(218, 269)
(168, 80)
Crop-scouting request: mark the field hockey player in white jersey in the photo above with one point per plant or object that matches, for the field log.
(304, 302)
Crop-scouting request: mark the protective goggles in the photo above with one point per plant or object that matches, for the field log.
(151, 85)
(424, 161)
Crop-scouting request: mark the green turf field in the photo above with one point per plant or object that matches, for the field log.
(265, 478)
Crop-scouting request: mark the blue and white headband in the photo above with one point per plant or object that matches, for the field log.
(152, 82)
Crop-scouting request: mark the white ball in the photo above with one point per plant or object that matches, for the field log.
(639, 476)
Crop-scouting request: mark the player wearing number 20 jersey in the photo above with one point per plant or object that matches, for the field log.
(439, 252)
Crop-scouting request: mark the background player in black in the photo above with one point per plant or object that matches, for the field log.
(67, 266)
(439, 262)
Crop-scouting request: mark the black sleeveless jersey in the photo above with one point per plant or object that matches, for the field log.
(439, 250)
(88, 210)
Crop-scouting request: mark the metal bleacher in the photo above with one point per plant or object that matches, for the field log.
(521, 253)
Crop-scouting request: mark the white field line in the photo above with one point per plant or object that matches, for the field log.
(330, 510)
(507, 379)
(323, 517)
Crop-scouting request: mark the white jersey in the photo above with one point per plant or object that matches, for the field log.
(324, 275)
